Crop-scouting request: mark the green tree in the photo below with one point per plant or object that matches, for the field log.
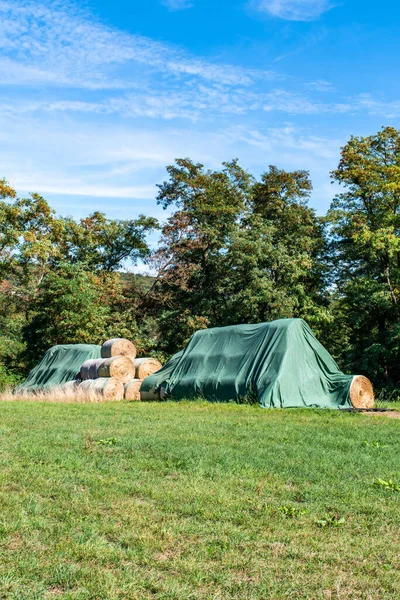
(33, 240)
(210, 205)
(29, 236)
(12, 321)
(237, 250)
(103, 243)
(364, 223)
(274, 258)
(75, 305)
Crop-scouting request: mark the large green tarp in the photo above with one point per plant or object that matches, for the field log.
(59, 364)
(281, 362)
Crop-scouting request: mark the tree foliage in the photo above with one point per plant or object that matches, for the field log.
(237, 250)
(233, 249)
(364, 225)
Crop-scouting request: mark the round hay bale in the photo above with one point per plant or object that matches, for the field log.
(89, 369)
(118, 347)
(105, 387)
(120, 367)
(145, 367)
(150, 396)
(132, 390)
(362, 392)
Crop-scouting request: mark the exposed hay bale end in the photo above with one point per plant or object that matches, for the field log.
(89, 369)
(362, 392)
(145, 367)
(150, 395)
(105, 387)
(132, 390)
(120, 367)
(118, 347)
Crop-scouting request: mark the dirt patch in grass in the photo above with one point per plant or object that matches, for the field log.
(392, 414)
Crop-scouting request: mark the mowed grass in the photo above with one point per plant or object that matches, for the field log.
(197, 501)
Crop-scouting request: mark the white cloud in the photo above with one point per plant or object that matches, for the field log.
(191, 102)
(102, 111)
(198, 102)
(294, 10)
(321, 85)
(68, 156)
(378, 106)
(55, 43)
(177, 4)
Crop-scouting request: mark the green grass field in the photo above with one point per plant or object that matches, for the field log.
(197, 501)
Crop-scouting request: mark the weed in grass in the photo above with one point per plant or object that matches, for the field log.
(374, 444)
(300, 497)
(290, 511)
(387, 485)
(107, 442)
(330, 520)
(89, 444)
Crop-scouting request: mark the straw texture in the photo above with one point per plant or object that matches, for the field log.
(118, 347)
(132, 390)
(145, 367)
(362, 392)
(120, 367)
(108, 388)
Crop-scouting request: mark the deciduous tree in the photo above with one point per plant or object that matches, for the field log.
(365, 251)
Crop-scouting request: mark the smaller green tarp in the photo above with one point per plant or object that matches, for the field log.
(281, 363)
(60, 364)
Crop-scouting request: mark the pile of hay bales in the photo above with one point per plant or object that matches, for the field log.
(117, 375)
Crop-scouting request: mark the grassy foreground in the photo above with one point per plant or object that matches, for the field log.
(197, 501)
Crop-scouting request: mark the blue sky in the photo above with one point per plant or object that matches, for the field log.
(98, 97)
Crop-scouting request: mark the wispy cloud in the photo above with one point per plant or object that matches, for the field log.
(177, 4)
(55, 43)
(102, 111)
(293, 10)
(378, 106)
(198, 102)
(321, 85)
(125, 161)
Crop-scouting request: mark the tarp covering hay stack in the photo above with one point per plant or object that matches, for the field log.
(280, 363)
(60, 364)
(110, 372)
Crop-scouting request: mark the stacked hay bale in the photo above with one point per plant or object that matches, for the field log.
(143, 368)
(116, 375)
(107, 388)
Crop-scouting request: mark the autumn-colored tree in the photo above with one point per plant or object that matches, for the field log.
(29, 236)
(34, 240)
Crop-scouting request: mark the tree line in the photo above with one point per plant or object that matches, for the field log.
(235, 249)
